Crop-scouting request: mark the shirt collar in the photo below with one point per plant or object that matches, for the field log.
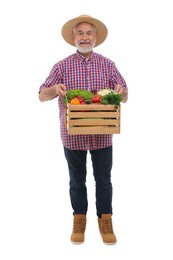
(84, 59)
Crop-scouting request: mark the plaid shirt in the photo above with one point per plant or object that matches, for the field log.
(93, 74)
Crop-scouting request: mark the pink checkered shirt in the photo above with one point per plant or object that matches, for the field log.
(93, 74)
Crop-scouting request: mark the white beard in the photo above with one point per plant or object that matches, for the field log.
(85, 49)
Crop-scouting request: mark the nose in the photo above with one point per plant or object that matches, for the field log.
(84, 36)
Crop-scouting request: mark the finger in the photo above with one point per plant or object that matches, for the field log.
(117, 88)
(63, 92)
(63, 87)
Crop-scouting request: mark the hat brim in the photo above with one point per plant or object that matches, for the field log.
(101, 29)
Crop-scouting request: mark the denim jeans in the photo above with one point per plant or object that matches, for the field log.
(102, 165)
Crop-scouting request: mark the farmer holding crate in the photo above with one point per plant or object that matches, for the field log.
(86, 70)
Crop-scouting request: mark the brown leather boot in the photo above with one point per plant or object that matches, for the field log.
(106, 229)
(79, 225)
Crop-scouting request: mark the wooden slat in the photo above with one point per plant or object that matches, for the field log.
(96, 122)
(93, 114)
(94, 130)
(92, 107)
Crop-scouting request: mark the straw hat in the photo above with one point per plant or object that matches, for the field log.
(67, 29)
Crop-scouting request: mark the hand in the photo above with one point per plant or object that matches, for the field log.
(124, 92)
(60, 90)
(119, 89)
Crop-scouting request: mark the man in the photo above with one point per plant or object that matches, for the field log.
(86, 70)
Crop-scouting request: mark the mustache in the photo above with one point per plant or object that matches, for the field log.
(84, 41)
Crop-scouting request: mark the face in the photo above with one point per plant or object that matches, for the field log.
(84, 37)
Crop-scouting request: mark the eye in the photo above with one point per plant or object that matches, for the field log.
(79, 33)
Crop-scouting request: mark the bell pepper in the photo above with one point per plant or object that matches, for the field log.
(75, 101)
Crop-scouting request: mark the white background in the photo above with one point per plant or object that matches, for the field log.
(35, 212)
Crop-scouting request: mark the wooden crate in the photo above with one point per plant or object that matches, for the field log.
(92, 119)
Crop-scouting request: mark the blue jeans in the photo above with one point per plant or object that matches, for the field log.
(102, 165)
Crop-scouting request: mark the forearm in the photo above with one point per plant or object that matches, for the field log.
(48, 93)
(125, 95)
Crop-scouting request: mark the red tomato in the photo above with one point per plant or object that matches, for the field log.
(96, 98)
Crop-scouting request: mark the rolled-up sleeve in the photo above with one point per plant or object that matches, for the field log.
(55, 77)
(117, 78)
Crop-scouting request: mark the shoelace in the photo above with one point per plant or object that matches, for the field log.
(106, 226)
(79, 225)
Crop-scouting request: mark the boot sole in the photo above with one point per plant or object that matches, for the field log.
(77, 243)
(111, 244)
